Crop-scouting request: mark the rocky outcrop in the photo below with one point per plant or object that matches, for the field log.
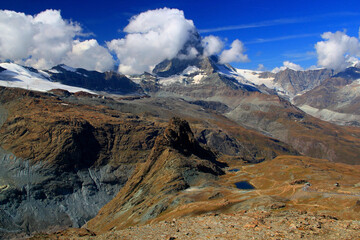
(176, 66)
(176, 162)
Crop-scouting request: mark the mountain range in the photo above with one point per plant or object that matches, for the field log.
(107, 151)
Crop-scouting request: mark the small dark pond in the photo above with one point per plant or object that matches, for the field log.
(234, 170)
(244, 185)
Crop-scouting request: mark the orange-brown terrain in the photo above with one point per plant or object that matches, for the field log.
(280, 206)
(132, 163)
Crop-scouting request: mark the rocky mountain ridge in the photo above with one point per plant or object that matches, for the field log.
(337, 99)
(67, 78)
(110, 82)
(176, 162)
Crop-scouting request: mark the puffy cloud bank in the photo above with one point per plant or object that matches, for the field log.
(212, 45)
(337, 50)
(152, 37)
(45, 40)
(234, 54)
(89, 55)
(286, 65)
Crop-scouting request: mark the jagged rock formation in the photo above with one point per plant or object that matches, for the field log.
(175, 66)
(176, 162)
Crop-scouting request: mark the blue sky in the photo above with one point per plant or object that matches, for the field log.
(272, 31)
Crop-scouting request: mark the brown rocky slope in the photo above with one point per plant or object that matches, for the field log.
(64, 156)
(175, 163)
(281, 206)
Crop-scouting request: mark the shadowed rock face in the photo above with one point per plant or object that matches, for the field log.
(320, 211)
(351, 73)
(175, 66)
(176, 162)
(179, 136)
(296, 82)
(36, 197)
(108, 81)
(63, 162)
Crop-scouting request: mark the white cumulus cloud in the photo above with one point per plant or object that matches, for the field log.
(288, 65)
(212, 45)
(234, 54)
(89, 55)
(45, 40)
(16, 35)
(40, 41)
(152, 37)
(337, 50)
(261, 67)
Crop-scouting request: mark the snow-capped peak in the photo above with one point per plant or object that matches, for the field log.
(18, 76)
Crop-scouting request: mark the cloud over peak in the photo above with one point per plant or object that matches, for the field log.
(287, 65)
(337, 50)
(152, 37)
